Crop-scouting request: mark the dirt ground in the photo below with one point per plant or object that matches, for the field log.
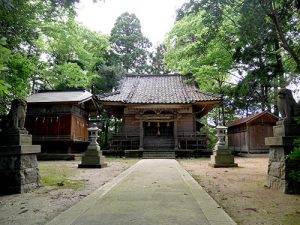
(240, 191)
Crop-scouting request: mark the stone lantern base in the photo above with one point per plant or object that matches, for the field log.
(222, 158)
(92, 158)
(218, 161)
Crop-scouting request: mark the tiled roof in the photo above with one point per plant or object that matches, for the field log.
(251, 118)
(60, 96)
(157, 89)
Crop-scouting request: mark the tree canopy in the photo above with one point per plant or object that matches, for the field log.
(129, 43)
(243, 50)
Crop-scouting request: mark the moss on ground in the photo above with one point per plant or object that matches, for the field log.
(60, 177)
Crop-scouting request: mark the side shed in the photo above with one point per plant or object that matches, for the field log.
(247, 135)
(58, 120)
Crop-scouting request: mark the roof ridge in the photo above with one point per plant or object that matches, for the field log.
(151, 75)
(250, 118)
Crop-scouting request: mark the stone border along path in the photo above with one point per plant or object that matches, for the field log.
(153, 191)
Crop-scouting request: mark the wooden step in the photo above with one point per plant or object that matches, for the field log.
(158, 154)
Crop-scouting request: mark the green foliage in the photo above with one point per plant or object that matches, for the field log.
(14, 77)
(157, 65)
(129, 43)
(294, 158)
(68, 76)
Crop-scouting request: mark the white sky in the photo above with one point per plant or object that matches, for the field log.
(156, 16)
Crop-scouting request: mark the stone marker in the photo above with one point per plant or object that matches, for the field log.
(222, 156)
(93, 158)
(18, 163)
(282, 143)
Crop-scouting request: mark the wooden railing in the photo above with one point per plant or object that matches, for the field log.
(186, 141)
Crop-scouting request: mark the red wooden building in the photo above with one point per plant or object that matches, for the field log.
(159, 114)
(247, 135)
(58, 120)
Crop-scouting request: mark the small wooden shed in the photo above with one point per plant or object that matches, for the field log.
(247, 135)
(58, 120)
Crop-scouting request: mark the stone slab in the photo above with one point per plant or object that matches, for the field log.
(153, 191)
(280, 141)
(15, 139)
(286, 130)
(19, 149)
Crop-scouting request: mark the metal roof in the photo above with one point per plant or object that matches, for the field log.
(60, 96)
(168, 88)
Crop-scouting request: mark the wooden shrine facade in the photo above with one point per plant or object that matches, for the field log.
(158, 112)
(58, 120)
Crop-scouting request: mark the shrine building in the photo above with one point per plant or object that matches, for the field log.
(58, 121)
(160, 115)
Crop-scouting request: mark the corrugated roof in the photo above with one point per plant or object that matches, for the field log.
(251, 118)
(60, 96)
(157, 89)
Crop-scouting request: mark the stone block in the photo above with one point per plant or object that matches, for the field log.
(275, 169)
(280, 141)
(222, 161)
(28, 161)
(15, 139)
(286, 130)
(31, 176)
(277, 184)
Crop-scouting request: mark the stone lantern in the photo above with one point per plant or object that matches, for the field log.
(221, 135)
(222, 156)
(93, 157)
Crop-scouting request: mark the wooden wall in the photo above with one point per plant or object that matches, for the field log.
(238, 141)
(131, 126)
(49, 125)
(257, 134)
(186, 123)
(79, 128)
(250, 138)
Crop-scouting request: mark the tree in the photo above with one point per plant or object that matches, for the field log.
(285, 18)
(157, 65)
(129, 43)
(72, 51)
(190, 51)
(19, 55)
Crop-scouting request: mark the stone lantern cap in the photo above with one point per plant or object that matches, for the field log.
(221, 128)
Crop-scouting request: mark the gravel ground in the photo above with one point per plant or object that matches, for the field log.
(45, 203)
(242, 193)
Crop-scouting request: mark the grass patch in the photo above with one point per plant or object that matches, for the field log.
(60, 177)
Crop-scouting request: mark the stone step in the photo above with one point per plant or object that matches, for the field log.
(158, 155)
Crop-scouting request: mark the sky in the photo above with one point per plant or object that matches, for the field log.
(156, 16)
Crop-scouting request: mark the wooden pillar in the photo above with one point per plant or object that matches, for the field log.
(175, 135)
(141, 135)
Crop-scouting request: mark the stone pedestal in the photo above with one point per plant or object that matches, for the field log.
(93, 157)
(18, 163)
(285, 132)
(222, 156)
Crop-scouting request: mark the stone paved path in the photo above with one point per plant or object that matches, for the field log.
(153, 191)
